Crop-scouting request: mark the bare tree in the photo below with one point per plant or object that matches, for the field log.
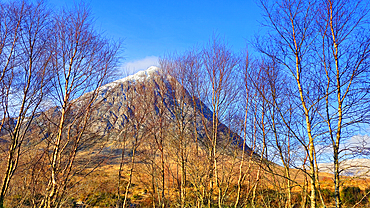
(344, 54)
(243, 130)
(139, 107)
(159, 119)
(178, 69)
(322, 44)
(183, 78)
(219, 92)
(82, 61)
(291, 33)
(25, 59)
(272, 85)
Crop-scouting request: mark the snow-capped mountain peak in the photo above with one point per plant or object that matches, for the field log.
(137, 77)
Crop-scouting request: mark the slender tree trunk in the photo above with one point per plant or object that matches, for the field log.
(311, 146)
(338, 202)
(289, 187)
(153, 184)
(53, 184)
(304, 192)
(119, 200)
(163, 176)
(264, 146)
(183, 178)
(241, 176)
(130, 173)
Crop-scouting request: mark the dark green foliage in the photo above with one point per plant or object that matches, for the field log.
(351, 195)
(271, 198)
(327, 195)
(367, 193)
(101, 199)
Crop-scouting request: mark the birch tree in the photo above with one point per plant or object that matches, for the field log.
(24, 62)
(82, 61)
(343, 50)
(325, 47)
(290, 38)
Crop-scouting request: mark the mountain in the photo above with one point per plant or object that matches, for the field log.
(151, 102)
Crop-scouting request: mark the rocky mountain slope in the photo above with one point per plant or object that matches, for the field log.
(150, 102)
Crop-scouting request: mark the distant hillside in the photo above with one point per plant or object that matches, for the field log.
(350, 167)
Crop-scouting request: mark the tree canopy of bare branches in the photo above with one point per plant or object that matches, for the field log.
(47, 61)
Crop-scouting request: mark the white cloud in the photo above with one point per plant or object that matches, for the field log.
(138, 65)
(358, 145)
(352, 167)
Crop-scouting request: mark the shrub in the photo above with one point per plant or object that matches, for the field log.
(351, 195)
(367, 199)
(327, 195)
(101, 199)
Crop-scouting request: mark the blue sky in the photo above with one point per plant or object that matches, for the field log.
(153, 28)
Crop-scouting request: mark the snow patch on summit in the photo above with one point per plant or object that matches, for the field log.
(138, 77)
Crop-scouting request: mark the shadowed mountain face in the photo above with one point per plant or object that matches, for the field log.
(153, 104)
